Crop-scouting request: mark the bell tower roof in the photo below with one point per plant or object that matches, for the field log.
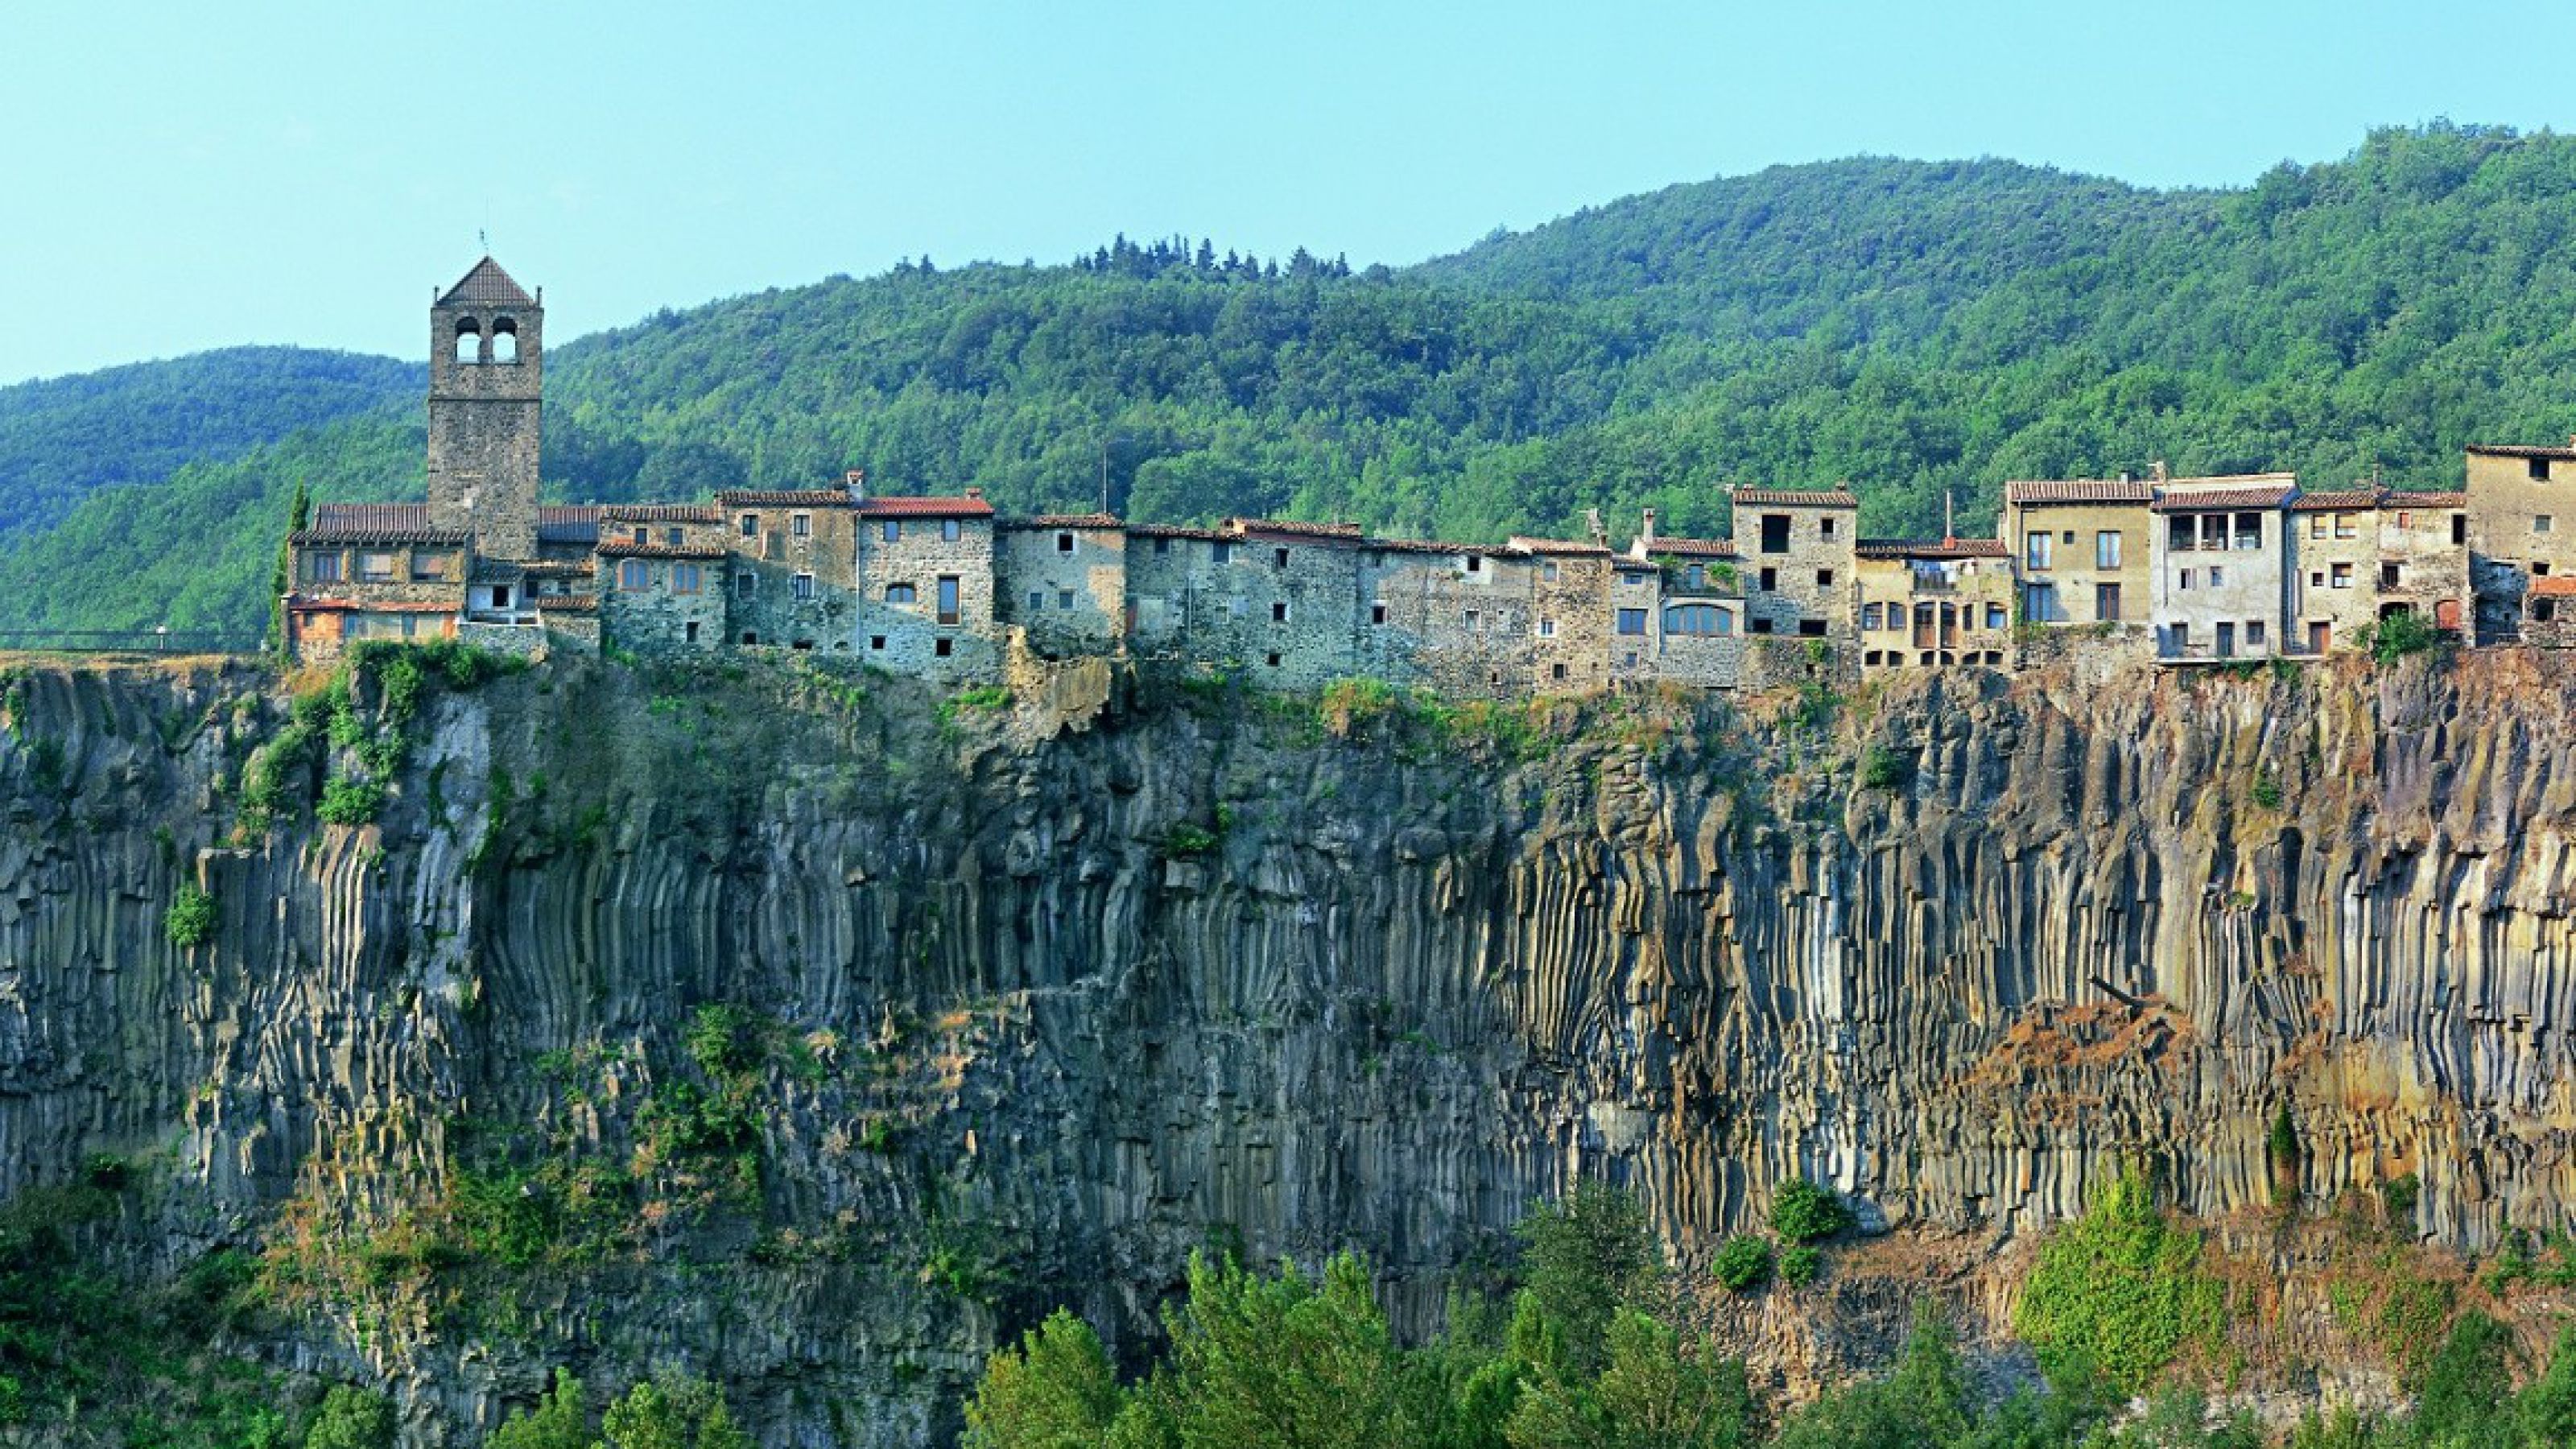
(487, 285)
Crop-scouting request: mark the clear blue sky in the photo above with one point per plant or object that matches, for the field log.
(188, 175)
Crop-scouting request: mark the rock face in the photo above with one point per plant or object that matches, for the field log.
(1019, 1021)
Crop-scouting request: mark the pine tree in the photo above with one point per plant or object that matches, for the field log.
(282, 581)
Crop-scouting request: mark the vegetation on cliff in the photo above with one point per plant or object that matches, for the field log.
(1920, 329)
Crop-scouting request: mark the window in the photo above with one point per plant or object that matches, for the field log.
(2539, 469)
(375, 567)
(801, 587)
(948, 611)
(1162, 545)
(2217, 577)
(673, 537)
(1995, 614)
(431, 565)
(950, 530)
(1064, 543)
(903, 594)
(1812, 628)
(1235, 607)
(2186, 578)
(2317, 526)
(633, 575)
(2345, 527)
(2106, 603)
(1869, 616)
(640, 536)
(893, 530)
(1224, 552)
(2182, 533)
(2316, 578)
(943, 647)
(1695, 577)
(745, 585)
(2039, 550)
(2459, 528)
(1547, 573)
(1471, 621)
(750, 639)
(2342, 575)
(1547, 628)
(1759, 626)
(2039, 604)
(1064, 598)
(2405, 520)
(1270, 659)
(2542, 523)
(689, 632)
(2070, 538)
(1556, 671)
(1279, 558)
(1770, 581)
(2254, 633)
(1825, 527)
(2106, 549)
(1632, 621)
(684, 578)
(322, 568)
(751, 525)
(2544, 610)
(1279, 612)
(1824, 578)
(1475, 564)
(1377, 612)
(1775, 533)
(2388, 576)
(801, 524)
(1698, 619)
(876, 641)
(1037, 600)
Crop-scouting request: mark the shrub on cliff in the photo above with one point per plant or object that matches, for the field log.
(1803, 1211)
(351, 1419)
(191, 919)
(1057, 1390)
(2120, 1289)
(1743, 1263)
(2397, 636)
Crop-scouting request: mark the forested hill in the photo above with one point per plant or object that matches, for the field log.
(1911, 327)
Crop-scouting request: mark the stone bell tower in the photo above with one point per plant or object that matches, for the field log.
(486, 375)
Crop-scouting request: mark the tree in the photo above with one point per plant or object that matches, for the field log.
(1280, 1362)
(1803, 1211)
(672, 1411)
(559, 1421)
(299, 511)
(351, 1419)
(1651, 1394)
(1057, 1390)
(1584, 1257)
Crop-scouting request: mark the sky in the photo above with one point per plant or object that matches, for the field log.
(180, 176)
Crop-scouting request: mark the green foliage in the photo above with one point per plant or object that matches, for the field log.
(2397, 636)
(1802, 1265)
(561, 1420)
(2267, 789)
(1651, 1391)
(1584, 1257)
(192, 917)
(1803, 1211)
(1188, 838)
(1057, 1390)
(349, 801)
(1884, 769)
(2397, 1198)
(2465, 1388)
(1926, 1401)
(2120, 1289)
(726, 1040)
(981, 699)
(1279, 1361)
(1743, 1263)
(671, 1411)
(351, 1419)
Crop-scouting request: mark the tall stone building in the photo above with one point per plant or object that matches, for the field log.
(486, 387)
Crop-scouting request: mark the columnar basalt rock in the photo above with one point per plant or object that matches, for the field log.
(1047, 1013)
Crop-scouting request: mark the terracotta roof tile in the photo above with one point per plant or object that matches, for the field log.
(2555, 586)
(788, 498)
(566, 603)
(1255, 527)
(376, 523)
(618, 548)
(661, 513)
(2519, 450)
(925, 508)
(2269, 495)
(2079, 490)
(1566, 547)
(2400, 498)
(1177, 530)
(1063, 520)
(568, 523)
(2338, 502)
(1797, 498)
(1690, 547)
(487, 285)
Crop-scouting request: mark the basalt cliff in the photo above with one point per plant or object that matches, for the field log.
(816, 1033)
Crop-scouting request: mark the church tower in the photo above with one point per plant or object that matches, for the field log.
(486, 375)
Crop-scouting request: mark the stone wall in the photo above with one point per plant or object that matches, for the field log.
(1805, 588)
(909, 638)
(1063, 584)
(1572, 639)
(1465, 620)
(794, 570)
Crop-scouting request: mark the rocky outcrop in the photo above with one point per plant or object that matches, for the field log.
(1021, 1021)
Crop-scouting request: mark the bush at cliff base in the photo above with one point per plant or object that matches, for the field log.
(2120, 1290)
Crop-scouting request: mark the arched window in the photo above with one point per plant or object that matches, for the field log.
(633, 574)
(1703, 619)
(505, 340)
(469, 340)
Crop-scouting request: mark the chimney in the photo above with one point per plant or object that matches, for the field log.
(2124, 475)
(2158, 473)
(1646, 530)
(856, 480)
(974, 492)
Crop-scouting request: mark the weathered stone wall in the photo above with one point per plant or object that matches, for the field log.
(778, 539)
(1572, 636)
(2075, 552)
(1806, 587)
(1063, 584)
(911, 638)
(485, 421)
(1464, 620)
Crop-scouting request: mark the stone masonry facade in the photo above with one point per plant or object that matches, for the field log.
(2169, 570)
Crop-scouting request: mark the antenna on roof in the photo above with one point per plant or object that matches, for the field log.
(483, 235)
(1949, 519)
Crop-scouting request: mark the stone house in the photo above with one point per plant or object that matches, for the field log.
(925, 586)
(1572, 633)
(1686, 617)
(663, 579)
(2521, 506)
(1795, 549)
(2220, 550)
(1933, 603)
(2549, 612)
(2080, 548)
(1460, 618)
(2424, 556)
(1061, 581)
(793, 568)
(2365, 553)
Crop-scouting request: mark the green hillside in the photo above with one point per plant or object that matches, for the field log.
(1915, 328)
